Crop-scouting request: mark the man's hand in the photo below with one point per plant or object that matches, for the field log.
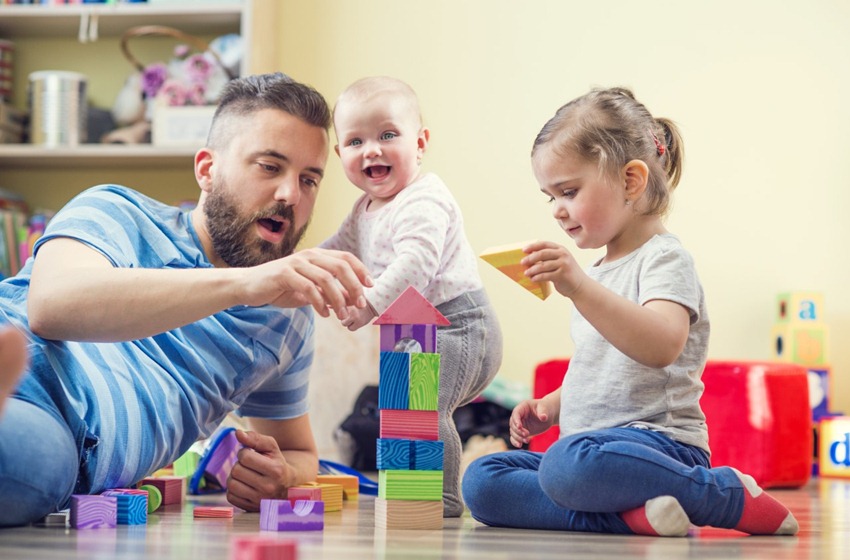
(261, 472)
(322, 278)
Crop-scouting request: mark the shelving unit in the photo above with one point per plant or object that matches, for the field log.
(89, 23)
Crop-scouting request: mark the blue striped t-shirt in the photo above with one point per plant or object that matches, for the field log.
(146, 401)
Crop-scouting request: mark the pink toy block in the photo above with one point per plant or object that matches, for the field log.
(281, 515)
(297, 493)
(171, 488)
(263, 548)
(409, 424)
(93, 512)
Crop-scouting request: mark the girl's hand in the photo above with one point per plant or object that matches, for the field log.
(547, 261)
(528, 419)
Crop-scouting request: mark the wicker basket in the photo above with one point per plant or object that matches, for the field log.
(165, 31)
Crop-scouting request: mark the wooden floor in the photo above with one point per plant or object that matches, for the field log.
(822, 508)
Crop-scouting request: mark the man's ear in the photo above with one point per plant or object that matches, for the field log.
(636, 175)
(203, 169)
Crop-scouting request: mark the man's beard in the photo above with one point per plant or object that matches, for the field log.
(233, 236)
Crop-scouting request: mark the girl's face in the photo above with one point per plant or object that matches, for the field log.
(381, 143)
(589, 206)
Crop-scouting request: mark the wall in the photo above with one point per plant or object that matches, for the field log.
(759, 92)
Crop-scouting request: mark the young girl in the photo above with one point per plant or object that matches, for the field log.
(633, 455)
(408, 230)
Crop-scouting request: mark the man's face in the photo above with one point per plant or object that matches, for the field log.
(262, 188)
(233, 234)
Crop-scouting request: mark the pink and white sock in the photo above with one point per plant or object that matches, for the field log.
(659, 517)
(763, 514)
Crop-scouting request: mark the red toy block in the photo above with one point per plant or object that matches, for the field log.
(263, 548)
(759, 420)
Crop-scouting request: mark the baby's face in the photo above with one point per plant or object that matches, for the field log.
(381, 142)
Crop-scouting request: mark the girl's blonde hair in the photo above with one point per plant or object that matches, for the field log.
(610, 127)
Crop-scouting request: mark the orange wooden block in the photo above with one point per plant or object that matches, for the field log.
(350, 484)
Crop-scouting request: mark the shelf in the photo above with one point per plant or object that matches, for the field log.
(208, 18)
(93, 155)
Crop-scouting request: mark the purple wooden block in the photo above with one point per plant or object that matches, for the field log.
(281, 515)
(223, 457)
(425, 335)
(93, 512)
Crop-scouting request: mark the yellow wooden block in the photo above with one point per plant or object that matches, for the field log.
(331, 494)
(506, 259)
(350, 484)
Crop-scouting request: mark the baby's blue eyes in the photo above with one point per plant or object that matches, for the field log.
(388, 135)
(355, 142)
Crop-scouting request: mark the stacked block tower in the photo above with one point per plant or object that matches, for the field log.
(800, 336)
(410, 455)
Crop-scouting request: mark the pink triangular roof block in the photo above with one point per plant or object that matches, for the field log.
(411, 308)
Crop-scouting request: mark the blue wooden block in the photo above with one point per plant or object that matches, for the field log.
(393, 454)
(427, 455)
(394, 381)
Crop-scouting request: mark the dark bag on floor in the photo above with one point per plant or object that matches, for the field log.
(357, 436)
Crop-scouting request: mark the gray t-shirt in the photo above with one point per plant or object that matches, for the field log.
(604, 388)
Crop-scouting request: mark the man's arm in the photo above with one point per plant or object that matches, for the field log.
(277, 454)
(76, 293)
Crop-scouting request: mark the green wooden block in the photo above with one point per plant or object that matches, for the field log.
(186, 464)
(424, 381)
(410, 485)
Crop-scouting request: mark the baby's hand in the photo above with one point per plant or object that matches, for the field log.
(547, 261)
(358, 317)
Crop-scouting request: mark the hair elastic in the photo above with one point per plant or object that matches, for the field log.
(659, 147)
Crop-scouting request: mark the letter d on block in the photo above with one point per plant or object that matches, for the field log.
(833, 451)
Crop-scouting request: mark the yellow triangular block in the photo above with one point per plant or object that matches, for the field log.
(506, 258)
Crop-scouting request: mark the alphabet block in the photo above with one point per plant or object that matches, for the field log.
(834, 447)
(801, 344)
(819, 391)
(794, 307)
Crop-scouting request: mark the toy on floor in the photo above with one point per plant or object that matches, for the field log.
(506, 259)
(93, 512)
(282, 515)
(410, 455)
(263, 548)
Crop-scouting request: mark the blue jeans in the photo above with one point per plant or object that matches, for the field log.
(584, 480)
(39, 463)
